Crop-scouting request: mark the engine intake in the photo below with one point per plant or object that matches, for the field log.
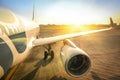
(75, 60)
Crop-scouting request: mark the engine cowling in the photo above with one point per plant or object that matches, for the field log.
(75, 60)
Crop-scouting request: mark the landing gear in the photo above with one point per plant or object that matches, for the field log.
(49, 52)
(45, 55)
(52, 54)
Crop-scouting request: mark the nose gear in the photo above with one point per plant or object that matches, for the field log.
(49, 52)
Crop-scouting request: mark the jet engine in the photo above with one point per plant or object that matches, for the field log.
(75, 60)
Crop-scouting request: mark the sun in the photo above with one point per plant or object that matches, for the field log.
(71, 14)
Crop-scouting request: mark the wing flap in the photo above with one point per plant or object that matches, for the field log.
(49, 40)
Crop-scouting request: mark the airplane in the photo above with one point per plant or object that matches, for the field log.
(112, 24)
(19, 36)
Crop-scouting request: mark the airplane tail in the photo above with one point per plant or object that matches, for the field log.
(111, 22)
(33, 15)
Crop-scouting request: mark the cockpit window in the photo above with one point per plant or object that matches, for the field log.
(20, 41)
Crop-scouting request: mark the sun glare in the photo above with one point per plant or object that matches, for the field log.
(71, 14)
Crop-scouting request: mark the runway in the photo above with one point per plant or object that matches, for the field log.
(103, 48)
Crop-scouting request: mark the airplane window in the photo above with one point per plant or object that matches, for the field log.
(19, 40)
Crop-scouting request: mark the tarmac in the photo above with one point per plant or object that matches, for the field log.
(103, 49)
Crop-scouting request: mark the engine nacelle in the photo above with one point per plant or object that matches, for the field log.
(75, 60)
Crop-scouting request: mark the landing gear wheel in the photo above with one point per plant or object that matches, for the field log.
(52, 54)
(49, 52)
(45, 55)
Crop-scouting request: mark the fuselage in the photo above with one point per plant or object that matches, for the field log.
(16, 36)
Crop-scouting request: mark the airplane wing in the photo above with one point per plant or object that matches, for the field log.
(49, 40)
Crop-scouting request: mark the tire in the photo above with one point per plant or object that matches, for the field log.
(45, 55)
(52, 54)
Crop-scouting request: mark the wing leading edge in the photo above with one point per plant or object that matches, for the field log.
(49, 40)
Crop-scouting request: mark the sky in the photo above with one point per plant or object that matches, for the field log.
(66, 11)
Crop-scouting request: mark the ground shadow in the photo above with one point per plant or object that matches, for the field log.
(43, 62)
(58, 78)
(31, 75)
(115, 78)
(95, 76)
(37, 66)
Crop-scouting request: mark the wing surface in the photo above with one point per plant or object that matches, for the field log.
(49, 40)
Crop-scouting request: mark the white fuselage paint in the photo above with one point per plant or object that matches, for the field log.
(19, 25)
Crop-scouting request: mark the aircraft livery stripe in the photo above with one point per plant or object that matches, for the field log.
(6, 57)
